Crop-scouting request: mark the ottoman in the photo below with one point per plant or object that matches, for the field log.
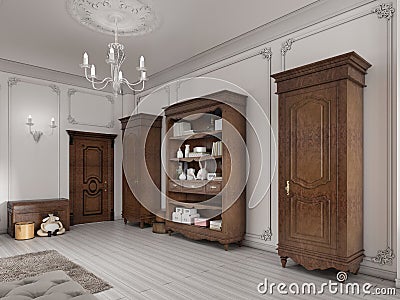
(55, 285)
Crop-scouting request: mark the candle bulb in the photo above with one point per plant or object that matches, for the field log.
(93, 71)
(120, 75)
(141, 62)
(29, 119)
(143, 75)
(111, 54)
(53, 122)
(85, 59)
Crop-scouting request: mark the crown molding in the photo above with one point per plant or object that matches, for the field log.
(295, 21)
(31, 71)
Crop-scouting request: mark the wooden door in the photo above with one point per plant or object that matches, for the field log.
(91, 177)
(307, 169)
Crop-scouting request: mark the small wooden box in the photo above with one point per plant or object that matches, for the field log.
(35, 211)
(24, 230)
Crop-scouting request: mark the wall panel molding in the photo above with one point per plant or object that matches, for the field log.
(73, 119)
(13, 82)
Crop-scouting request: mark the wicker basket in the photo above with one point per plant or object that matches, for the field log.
(24, 230)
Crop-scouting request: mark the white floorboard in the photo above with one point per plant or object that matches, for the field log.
(142, 265)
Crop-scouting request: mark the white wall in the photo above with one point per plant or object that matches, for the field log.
(358, 29)
(30, 170)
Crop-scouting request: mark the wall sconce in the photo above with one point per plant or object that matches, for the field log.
(37, 133)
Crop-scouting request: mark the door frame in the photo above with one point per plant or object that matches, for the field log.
(90, 135)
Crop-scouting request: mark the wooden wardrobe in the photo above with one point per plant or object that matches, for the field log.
(142, 165)
(321, 163)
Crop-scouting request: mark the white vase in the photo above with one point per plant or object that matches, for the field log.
(187, 150)
(182, 176)
(179, 154)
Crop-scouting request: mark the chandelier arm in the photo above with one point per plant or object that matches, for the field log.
(122, 58)
(140, 90)
(99, 82)
(106, 80)
(131, 84)
(91, 80)
(112, 70)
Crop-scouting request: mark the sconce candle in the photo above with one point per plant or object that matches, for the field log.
(29, 121)
(53, 123)
(85, 59)
(141, 62)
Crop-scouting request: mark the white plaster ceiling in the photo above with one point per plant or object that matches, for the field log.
(42, 33)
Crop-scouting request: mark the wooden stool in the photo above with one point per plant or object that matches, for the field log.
(159, 224)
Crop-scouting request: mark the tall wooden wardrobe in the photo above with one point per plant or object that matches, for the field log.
(141, 194)
(321, 163)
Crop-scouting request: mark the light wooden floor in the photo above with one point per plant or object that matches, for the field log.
(142, 265)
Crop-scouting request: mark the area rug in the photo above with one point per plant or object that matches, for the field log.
(32, 264)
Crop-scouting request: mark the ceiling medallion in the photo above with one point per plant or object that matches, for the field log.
(135, 17)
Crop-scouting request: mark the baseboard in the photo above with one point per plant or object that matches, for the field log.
(254, 241)
(398, 283)
(375, 272)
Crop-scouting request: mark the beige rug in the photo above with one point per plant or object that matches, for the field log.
(32, 264)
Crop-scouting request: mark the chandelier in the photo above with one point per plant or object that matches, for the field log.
(115, 58)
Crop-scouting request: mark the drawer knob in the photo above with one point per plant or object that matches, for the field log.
(213, 187)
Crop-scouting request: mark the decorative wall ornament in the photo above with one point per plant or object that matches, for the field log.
(384, 10)
(13, 81)
(73, 120)
(266, 53)
(286, 46)
(384, 257)
(137, 16)
(267, 234)
(55, 89)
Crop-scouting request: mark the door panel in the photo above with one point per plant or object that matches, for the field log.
(310, 144)
(91, 177)
(308, 150)
(92, 162)
(310, 219)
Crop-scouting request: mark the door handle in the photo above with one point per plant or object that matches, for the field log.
(287, 188)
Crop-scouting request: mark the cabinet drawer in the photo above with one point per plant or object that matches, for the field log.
(213, 187)
(174, 187)
(193, 187)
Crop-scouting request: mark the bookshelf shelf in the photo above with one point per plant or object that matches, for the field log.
(190, 159)
(197, 135)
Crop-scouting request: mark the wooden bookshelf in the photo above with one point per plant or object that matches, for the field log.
(214, 199)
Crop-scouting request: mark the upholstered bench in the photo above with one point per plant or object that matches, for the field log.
(55, 285)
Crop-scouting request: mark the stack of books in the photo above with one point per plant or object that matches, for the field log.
(185, 215)
(198, 154)
(216, 149)
(182, 128)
